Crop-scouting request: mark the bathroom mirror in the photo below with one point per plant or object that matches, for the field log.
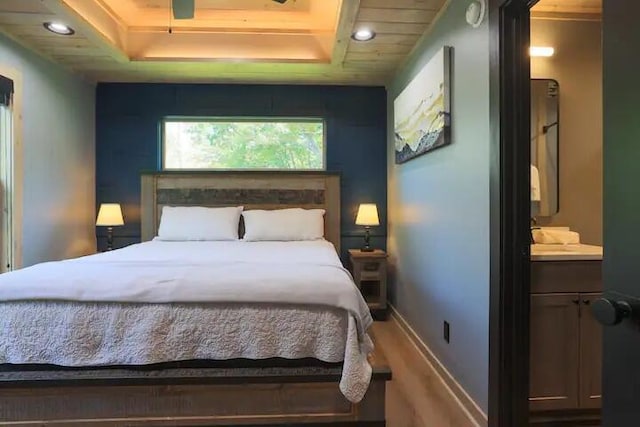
(545, 132)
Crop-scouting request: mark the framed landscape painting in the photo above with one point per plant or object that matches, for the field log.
(422, 111)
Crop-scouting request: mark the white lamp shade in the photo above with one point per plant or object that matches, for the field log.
(367, 214)
(110, 214)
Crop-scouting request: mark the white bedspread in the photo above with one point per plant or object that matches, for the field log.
(222, 275)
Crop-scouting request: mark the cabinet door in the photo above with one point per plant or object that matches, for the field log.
(590, 355)
(554, 367)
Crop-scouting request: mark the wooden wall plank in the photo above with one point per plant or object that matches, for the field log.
(375, 56)
(82, 51)
(354, 66)
(403, 4)
(379, 48)
(26, 29)
(569, 6)
(20, 18)
(396, 15)
(57, 41)
(381, 27)
(406, 39)
(22, 6)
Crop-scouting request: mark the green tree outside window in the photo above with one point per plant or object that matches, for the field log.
(245, 144)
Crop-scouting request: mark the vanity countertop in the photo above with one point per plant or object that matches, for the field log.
(579, 252)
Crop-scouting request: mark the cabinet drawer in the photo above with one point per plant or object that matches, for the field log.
(370, 275)
(566, 276)
(554, 352)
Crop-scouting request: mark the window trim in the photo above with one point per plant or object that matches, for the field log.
(266, 119)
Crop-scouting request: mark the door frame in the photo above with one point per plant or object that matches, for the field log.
(510, 72)
(18, 166)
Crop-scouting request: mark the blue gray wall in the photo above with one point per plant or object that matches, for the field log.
(58, 140)
(128, 139)
(439, 212)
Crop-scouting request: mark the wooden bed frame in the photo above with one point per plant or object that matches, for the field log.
(253, 190)
(286, 394)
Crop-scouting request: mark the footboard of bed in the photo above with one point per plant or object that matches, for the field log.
(193, 397)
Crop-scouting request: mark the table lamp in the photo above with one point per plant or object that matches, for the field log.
(367, 216)
(109, 215)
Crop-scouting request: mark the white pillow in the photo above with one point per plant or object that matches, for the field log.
(284, 224)
(199, 223)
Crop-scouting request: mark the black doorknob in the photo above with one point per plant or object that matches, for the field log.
(609, 312)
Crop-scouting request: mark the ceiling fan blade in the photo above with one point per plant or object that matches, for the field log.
(183, 9)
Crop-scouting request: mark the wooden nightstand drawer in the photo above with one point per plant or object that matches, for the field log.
(370, 275)
(369, 271)
(371, 265)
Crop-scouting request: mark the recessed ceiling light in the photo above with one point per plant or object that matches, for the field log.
(541, 51)
(363, 35)
(59, 28)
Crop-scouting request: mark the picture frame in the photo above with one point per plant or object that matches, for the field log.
(422, 110)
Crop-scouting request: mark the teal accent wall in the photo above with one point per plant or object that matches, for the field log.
(128, 139)
(58, 141)
(438, 234)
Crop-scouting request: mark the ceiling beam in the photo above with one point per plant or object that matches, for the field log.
(106, 33)
(348, 15)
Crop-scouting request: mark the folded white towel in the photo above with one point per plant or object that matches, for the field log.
(535, 184)
(555, 236)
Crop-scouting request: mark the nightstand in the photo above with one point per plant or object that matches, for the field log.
(369, 271)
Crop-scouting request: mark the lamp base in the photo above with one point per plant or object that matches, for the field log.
(367, 247)
(109, 238)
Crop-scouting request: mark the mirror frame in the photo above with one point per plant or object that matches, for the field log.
(558, 144)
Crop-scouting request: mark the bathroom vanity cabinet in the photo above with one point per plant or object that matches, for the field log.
(565, 341)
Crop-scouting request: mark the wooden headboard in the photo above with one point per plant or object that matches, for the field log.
(253, 190)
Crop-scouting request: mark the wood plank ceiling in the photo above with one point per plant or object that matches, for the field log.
(566, 9)
(124, 44)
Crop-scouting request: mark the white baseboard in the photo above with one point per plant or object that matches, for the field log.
(458, 393)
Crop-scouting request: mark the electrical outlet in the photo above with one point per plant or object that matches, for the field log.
(446, 331)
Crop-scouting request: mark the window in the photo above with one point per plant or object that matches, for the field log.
(280, 144)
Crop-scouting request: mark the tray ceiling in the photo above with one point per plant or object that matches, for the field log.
(301, 41)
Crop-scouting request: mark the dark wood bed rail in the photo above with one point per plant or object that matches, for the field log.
(273, 396)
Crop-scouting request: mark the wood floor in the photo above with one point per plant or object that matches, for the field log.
(416, 397)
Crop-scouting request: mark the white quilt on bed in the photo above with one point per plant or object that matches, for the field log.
(221, 275)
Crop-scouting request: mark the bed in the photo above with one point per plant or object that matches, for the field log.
(290, 347)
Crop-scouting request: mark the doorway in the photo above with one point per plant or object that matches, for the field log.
(565, 355)
(511, 281)
(7, 176)
(510, 74)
